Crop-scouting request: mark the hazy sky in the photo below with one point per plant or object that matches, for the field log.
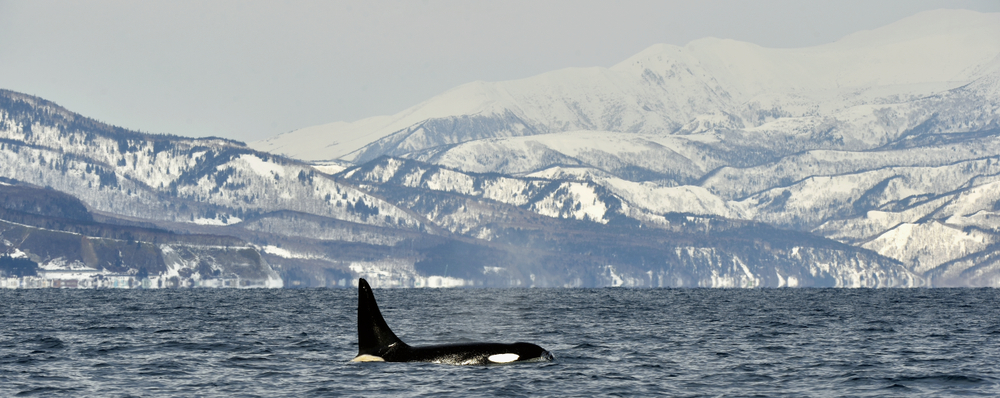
(248, 70)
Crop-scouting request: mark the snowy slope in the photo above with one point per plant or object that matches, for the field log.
(131, 174)
(623, 245)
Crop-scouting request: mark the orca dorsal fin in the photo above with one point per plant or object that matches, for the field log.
(374, 336)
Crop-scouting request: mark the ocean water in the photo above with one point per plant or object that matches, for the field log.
(607, 342)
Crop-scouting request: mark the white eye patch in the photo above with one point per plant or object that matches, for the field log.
(503, 358)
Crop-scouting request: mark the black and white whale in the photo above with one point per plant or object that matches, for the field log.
(377, 343)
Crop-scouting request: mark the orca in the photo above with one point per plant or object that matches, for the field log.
(377, 343)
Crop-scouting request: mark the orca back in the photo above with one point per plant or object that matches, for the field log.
(374, 336)
(377, 343)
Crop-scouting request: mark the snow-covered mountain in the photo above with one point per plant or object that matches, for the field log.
(887, 140)
(708, 84)
(187, 212)
(872, 161)
(189, 186)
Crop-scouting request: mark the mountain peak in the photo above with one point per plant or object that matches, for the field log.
(665, 87)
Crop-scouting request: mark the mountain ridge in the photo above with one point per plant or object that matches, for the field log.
(396, 222)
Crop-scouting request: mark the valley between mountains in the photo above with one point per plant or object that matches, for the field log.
(873, 161)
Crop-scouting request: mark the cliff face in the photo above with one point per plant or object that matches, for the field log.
(57, 235)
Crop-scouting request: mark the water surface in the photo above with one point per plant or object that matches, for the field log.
(618, 342)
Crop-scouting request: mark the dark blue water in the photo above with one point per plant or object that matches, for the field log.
(618, 342)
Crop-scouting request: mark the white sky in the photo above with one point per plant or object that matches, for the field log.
(248, 70)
